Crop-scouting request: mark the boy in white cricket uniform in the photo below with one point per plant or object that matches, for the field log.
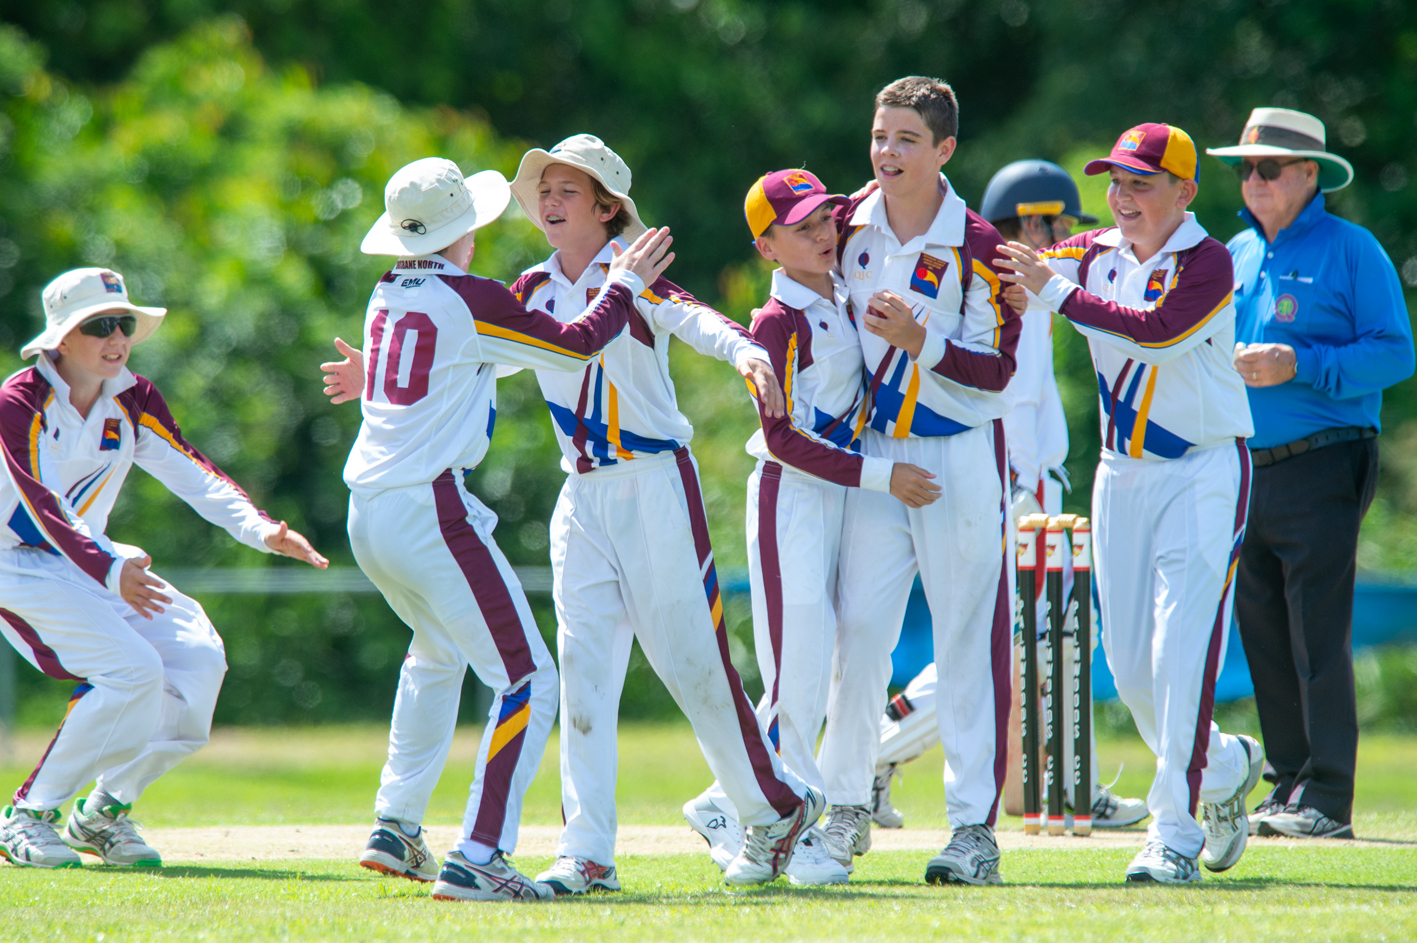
(630, 552)
(83, 608)
(1035, 202)
(433, 336)
(939, 347)
(808, 460)
(1153, 298)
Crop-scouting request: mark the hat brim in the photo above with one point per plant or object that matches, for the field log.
(1104, 164)
(1087, 219)
(490, 196)
(807, 207)
(148, 321)
(1335, 173)
(536, 160)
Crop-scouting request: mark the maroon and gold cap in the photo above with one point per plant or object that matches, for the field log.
(785, 197)
(1150, 149)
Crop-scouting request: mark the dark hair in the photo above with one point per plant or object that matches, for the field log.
(604, 199)
(932, 99)
(1010, 228)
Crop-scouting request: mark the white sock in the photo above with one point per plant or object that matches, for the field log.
(412, 831)
(476, 852)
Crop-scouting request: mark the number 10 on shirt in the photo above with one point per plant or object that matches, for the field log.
(406, 359)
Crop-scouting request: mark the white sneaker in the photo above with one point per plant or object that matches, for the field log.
(28, 839)
(1268, 806)
(390, 851)
(848, 832)
(1160, 865)
(769, 848)
(460, 879)
(1226, 824)
(1112, 811)
(578, 876)
(812, 865)
(882, 812)
(1302, 821)
(717, 826)
(109, 835)
(971, 857)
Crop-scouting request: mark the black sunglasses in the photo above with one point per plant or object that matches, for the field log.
(1268, 169)
(105, 325)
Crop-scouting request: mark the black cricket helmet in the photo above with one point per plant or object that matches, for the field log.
(1032, 187)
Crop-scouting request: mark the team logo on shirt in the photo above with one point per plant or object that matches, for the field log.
(550, 305)
(1131, 140)
(1155, 284)
(863, 259)
(1285, 307)
(926, 277)
(798, 183)
(112, 435)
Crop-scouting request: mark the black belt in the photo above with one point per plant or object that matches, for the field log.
(1263, 457)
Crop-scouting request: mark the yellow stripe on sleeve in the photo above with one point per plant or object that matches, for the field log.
(1196, 327)
(1139, 426)
(1066, 252)
(492, 330)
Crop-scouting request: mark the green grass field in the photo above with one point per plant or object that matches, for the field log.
(294, 778)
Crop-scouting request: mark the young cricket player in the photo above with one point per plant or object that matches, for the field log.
(939, 347)
(433, 336)
(1153, 298)
(808, 459)
(1037, 203)
(81, 607)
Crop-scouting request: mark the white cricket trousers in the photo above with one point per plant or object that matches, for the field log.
(960, 546)
(794, 540)
(1167, 537)
(147, 688)
(630, 558)
(429, 550)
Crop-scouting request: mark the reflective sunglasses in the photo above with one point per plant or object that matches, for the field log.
(1268, 169)
(106, 324)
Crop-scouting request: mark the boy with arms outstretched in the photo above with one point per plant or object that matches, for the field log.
(80, 607)
(1153, 298)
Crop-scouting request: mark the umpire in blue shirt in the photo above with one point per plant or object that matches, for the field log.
(1321, 329)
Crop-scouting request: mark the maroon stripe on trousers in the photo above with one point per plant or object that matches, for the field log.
(777, 792)
(44, 656)
(1217, 634)
(1001, 648)
(24, 789)
(497, 782)
(490, 591)
(768, 484)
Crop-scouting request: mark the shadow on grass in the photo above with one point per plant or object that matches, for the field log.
(200, 871)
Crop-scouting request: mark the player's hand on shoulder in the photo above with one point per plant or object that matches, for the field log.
(648, 256)
(762, 382)
(913, 485)
(1022, 266)
(139, 588)
(290, 543)
(344, 379)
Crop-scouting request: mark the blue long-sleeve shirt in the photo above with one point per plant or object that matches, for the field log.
(1326, 288)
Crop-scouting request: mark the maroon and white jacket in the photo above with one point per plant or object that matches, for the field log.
(815, 351)
(63, 471)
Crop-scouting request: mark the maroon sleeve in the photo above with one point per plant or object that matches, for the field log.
(783, 333)
(664, 290)
(988, 370)
(22, 423)
(841, 214)
(491, 303)
(1200, 286)
(526, 285)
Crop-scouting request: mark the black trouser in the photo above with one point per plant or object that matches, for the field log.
(1294, 601)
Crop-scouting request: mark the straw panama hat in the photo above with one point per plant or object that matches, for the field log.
(79, 294)
(429, 206)
(584, 152)
(1281, 132)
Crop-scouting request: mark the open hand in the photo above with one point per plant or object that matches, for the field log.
(913, 485)
(289, 543)
(139, 588)
(1023, 266)
(344, 379)
(888, 316)
(1264, 365)
(762, 383)
(648, 256)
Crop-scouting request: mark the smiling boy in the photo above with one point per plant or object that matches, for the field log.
(938, 347)
(1153, 298)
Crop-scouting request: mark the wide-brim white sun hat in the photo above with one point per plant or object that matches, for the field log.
(1282, 132)
(428, 206)
(584, 152)
(81, 293)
